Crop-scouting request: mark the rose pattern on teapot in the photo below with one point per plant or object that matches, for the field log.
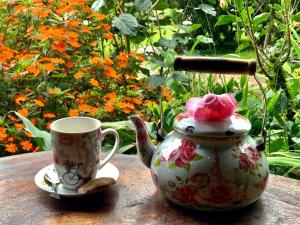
(211, 189)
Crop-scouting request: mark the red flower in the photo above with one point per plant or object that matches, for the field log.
(211, 107)
(186, 194)
(200, 180)
(187, 151)
(245, 162)
(221, 194)
(253, 153)
(184, 154)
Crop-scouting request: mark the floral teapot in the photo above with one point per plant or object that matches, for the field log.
(208, 162)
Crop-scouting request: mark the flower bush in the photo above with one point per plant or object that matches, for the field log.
(58, 58)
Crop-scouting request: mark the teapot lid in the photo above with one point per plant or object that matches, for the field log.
(233, 126)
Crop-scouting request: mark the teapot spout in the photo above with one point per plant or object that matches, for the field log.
(144, 145)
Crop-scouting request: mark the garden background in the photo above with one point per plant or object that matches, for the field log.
(110, 59)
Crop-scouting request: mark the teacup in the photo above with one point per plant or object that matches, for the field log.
(76, 143)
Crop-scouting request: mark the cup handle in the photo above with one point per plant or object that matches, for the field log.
(114, 149)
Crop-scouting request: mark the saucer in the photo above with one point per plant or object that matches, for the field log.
(109, 170)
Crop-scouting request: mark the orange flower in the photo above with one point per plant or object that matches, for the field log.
(126, 107)
(48, 115)
(10, 139)
(11, 148)
(108, 62)
(34, 69)
(26, 145)
(111, 95)
(106, 26)
(133, 87)
(53, 60)
(78, 75)
(140, 57)
(109, 36)
(20, 98)
(48, 125)
(73, 112)
(73, 23)
(69, 95)
(23, 112)
(19, 126)
(3, 134)
(59, 46)
(94, 82)
(39, 103)
(98, 16)
(95, 60)
(85, 107)
(93, 111)
(69, 64)
(11, 118)
(108, 107)
(136, 101)
(110, 72)
(122, 56)
(28, 134)
(49, 67)
(123, 64)
(52, 91)
(167, 94)
(149, 102)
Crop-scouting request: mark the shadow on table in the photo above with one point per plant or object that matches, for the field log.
(162, 211)
(101, 201)
(252, 214)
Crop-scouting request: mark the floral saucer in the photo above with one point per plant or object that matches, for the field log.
(109, 170)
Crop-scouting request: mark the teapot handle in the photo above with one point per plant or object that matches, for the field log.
(215, 65)
(218, 65)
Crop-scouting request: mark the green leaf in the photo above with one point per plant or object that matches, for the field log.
(157, 163)
(126, 23)
(143, 5)
(156, 80)
(272, 102)
(200, 39)
(162, 5)
(263, 17)
(36, 133)
(283, 161)
(296, 140)
(171, 166)
(181, 76)
(198, 157)
(125, 148)
(242, 46)
(125, 124)
(167, 43)
(239, 4)
(225, 19)
(208, 9)
(244, 14)
(281, 103)
(187, 167)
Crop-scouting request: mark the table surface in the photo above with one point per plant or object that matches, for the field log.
(132, 200)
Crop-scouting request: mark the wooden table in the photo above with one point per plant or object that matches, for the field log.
(132, 200)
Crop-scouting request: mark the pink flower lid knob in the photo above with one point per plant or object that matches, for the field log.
(212, 115)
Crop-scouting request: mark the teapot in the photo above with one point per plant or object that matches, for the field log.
(203, 164)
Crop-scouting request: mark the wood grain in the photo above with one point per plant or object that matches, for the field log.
(132, 200)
